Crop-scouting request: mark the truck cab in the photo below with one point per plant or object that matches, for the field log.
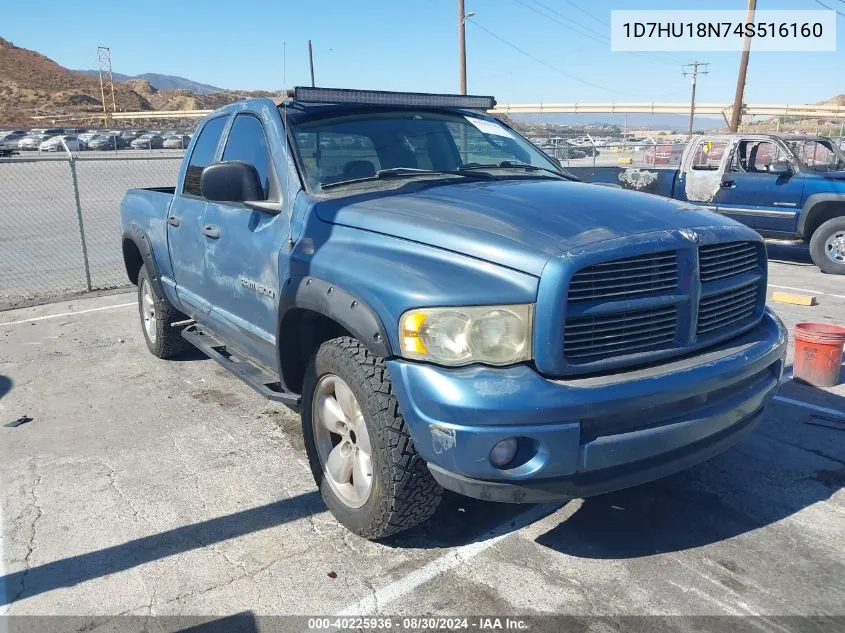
(446, 307)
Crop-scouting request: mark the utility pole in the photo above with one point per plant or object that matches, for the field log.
(694, 74)
(736, 112)
(104, 70)
(311, 62)
(462, 45)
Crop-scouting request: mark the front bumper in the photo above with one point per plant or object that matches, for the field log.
(587, 435)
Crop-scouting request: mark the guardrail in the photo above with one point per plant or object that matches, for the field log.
(810, 111)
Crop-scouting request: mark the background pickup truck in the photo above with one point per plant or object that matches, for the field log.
(785, 187)
(446, 307)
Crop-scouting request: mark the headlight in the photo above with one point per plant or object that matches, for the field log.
(495, 335)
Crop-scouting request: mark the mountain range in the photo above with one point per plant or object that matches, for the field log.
(161, 82)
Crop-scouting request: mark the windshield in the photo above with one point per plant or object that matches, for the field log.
(363, 147)
(818, 154)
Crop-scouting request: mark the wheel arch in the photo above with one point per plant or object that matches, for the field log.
(315, 311)
(818, 209)
(137, 252)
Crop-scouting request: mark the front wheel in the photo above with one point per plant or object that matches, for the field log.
(359, 448)
(827, 246)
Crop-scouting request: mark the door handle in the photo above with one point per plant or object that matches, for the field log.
(728, 184)
(172, 220)
(210, 230)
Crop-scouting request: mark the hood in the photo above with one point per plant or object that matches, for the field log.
(520, 224)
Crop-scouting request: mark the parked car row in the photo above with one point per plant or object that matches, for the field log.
(55, 139)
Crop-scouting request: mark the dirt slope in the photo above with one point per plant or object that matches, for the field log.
(33, 85)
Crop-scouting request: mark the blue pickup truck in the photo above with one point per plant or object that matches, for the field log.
(446, 307)
(789, 188)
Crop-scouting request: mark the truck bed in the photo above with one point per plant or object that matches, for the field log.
(657, 180)
(168, 190)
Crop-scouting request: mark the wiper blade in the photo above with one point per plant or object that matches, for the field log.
(404, 172)
(511, 164)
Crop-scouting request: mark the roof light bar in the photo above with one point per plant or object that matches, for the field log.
(383, 97)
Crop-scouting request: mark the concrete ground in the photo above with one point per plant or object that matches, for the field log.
(169, 488)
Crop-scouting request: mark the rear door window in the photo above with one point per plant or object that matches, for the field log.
(203, 155)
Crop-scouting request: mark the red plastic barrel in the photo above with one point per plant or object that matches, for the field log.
(818, 353)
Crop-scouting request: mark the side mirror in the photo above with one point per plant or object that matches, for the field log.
(781, 168)
(231, 181)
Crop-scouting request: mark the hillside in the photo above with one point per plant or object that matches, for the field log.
(32, 85)
(162, 82)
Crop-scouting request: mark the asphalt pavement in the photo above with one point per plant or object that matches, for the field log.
(154, 487)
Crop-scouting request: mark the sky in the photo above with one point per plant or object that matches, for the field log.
(524, 51)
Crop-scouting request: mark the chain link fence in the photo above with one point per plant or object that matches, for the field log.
(60, 224)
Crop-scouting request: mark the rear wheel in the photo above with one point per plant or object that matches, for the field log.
(157, 317)
(827, 246)
(358, 445)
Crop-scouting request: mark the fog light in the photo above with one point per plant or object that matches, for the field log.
(503, 452)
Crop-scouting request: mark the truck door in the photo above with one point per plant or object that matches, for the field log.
(243, 259)
(760, 188)
(185, 238)
(700, 178)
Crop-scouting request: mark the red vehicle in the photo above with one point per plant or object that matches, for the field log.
(668, 154)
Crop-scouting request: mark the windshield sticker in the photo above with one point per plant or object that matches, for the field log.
(489, 127)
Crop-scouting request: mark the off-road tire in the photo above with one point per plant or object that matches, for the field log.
(404, 494)
(168, 341)
(817, 246)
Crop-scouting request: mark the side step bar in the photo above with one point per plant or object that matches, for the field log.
(257, 378)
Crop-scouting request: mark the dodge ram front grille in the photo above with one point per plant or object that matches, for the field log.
(626, 278)
(725, 309)
(720, 261)
(594, 337)
(637, 309)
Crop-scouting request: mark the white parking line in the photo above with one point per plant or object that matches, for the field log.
(812, 407)
(815, 292)
(64, 314)
(452, 559)
(5, 607)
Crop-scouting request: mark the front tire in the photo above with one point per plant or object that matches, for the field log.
(157, 316)
(359, 448)
(827, 246)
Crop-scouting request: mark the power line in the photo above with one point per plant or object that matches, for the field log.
(674, 59)
(563, 24)
(537, 59)
(829, 8)
(549, 66)
(601, 39)
(585, 12)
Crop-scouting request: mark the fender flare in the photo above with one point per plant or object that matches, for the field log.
(812, 202)
(136, 234)
(343, 307)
